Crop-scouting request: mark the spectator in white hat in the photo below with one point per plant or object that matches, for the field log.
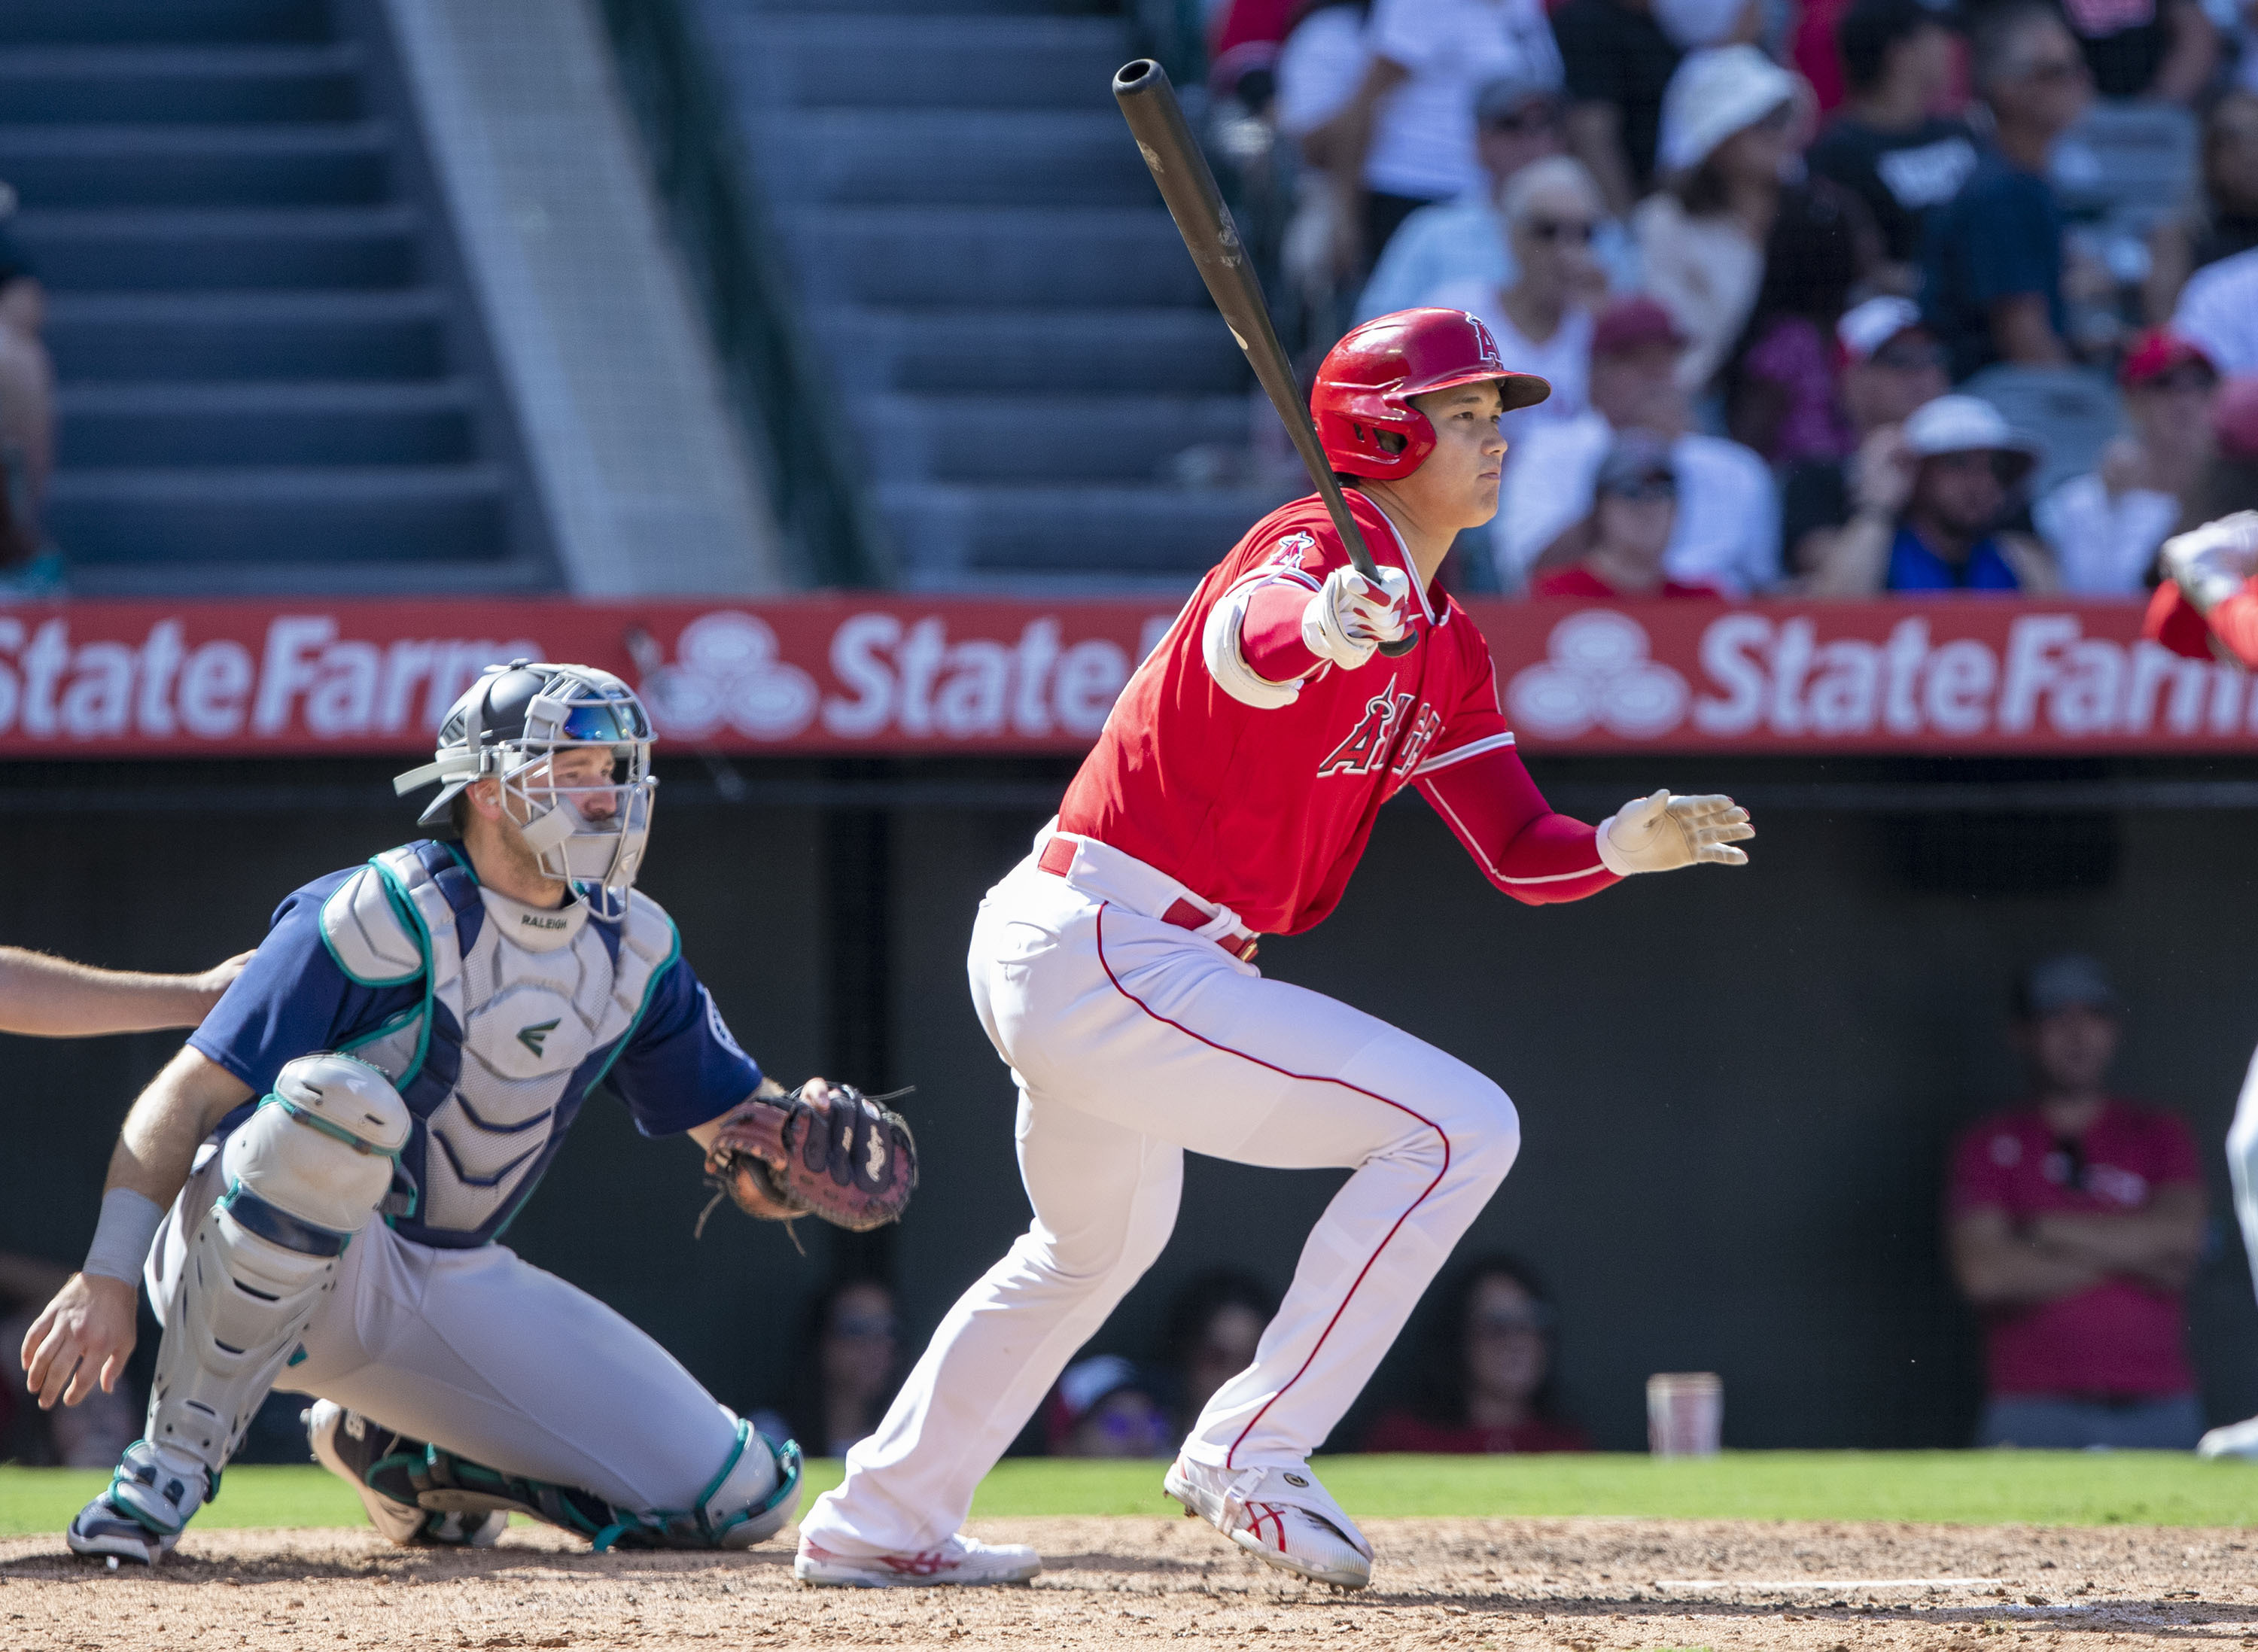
(1930, 503)
(1727, 135)
(1890, 365)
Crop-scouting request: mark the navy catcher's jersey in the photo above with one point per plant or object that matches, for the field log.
(675, 1067)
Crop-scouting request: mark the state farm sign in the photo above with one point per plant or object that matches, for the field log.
(898, 675)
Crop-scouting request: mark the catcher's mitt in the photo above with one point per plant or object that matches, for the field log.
(827, 1151)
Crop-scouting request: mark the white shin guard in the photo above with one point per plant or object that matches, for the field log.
(304, 1174)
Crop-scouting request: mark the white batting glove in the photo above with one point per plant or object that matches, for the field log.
(1661, 833)
(2210, 562)
(1350, 616)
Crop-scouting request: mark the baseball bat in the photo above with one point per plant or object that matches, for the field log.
(1156, 120)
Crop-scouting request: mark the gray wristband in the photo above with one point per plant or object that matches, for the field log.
(122, 1238)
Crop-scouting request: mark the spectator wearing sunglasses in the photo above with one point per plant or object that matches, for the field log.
(2074, 1223)
(1991, 256)
(2105, 526)
(1888, 146)
(1634, 507)
(1727, 136)
(1518, 124)
(1487, 1382)
(1543, 319)
(1930, 506)
(848, 1366)
(1890, 365)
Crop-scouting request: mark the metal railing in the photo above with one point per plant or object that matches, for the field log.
(782, 390)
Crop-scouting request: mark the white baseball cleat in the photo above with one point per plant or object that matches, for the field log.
(2236, 1439)
(960, 1560)
(152, 1495)
(1281, 1515)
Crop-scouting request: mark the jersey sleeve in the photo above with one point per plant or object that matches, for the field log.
(1252, 642)
(292, 998)
(1978, 1180)
(1474, 778)
(681, 1066)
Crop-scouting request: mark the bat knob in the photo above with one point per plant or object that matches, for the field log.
(1141, 74)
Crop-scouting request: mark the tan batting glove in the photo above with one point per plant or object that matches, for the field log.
(2210, 562)
(1350, 616)
(1661, 833)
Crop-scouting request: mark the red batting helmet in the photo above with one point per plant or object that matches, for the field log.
(1368, 378)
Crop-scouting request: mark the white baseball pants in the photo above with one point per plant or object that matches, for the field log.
(486, 1355)
(1130, 1041)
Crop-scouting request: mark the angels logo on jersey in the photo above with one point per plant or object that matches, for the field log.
(1371, 744)
(1296, 551)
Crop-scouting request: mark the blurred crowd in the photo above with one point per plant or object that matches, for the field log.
(1836, 299)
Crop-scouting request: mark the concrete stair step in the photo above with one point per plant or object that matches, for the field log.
(266, 423)
(1041, 438)
(953, 157)
(103, 85)
(246, 335)
(1030, 257)
(921, 61)
(96, 22)
(1184, 351)
(130, 250)
(327, 163)
(405, 514)
(945, 532)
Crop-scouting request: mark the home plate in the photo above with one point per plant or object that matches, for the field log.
(1829, 1583)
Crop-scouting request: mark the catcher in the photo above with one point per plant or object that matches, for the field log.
(313, 1188)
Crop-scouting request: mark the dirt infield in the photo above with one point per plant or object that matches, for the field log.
(1592, 1585)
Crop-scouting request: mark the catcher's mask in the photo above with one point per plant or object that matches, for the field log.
(509, 725)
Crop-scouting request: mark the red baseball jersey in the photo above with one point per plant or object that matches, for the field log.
(1267, 809)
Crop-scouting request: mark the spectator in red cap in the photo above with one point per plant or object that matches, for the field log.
(1726, 528)
(1930, 510)
(2104, 526)
(1891, 364)
(1634, 506)
(2074, 1223)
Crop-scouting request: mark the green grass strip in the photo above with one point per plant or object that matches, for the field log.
(1973, 1488)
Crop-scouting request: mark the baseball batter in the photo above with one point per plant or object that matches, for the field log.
(1230, 795)
(314, 1187)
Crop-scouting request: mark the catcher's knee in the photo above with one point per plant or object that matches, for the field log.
(317, 1154)
(304, 1174)
(756, 1494)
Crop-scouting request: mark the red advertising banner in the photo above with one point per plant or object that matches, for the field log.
(898, 675)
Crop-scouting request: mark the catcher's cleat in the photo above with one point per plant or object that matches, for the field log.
(379, 1465)
(1281, 1516)
(960, 1560)
(2236, 1439)
(150, 1497)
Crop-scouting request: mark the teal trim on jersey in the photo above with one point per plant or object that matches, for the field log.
(297, 1356)
(461, 859)
(673, 956)
(331, 947)
(385, 1031)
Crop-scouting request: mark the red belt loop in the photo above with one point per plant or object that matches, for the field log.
(1057, 859)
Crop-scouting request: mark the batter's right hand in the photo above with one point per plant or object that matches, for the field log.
(1350, 616)
(82, 1339)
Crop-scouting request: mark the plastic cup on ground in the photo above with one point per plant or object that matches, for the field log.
(1684, 1413)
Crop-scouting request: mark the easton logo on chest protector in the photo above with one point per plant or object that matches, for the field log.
(535, 1036)
(1388, 736)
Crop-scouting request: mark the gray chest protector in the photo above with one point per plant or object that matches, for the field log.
(523, 1010)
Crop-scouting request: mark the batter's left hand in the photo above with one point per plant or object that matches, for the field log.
(1663, 833)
